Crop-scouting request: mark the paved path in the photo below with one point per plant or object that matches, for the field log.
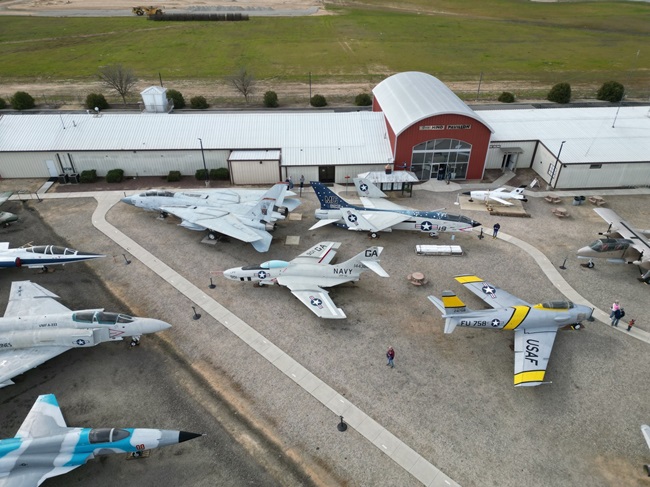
(388, 443)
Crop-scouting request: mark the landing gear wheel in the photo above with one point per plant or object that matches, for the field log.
(164, 214)
(433, 234)
(591, 265)
(373, 235)
(212, 236)
(577, 326)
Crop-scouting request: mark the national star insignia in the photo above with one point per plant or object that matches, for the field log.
(495, 323)
(426, 226)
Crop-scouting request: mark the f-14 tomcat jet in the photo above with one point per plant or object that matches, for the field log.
(45, 446)
(621, 237)
(535, 326)
(500, 195)
(382, 216)
(36, 328)
(41, 256)
(245, 214)
(311, 271)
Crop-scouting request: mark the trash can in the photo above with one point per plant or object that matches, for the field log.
(63, 179)
(74, 178)
(578, 200)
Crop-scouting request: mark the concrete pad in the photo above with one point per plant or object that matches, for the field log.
(292, 240)
(295, 217)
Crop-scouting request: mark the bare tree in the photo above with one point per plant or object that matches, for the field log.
(119, 78)
(243, 82)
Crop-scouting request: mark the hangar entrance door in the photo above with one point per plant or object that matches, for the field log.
(254, 166)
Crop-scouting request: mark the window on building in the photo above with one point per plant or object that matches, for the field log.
(441, 158)
(595, 166)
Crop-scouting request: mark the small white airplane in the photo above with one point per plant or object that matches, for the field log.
(633, 244)
(41, 256)
(245, 214)
(311, 271)
(500, 195)
(36, 328)
(45, 446)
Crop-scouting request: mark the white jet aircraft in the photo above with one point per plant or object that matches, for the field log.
(500, 195)
(36, 328)
(41, 256)
(535, 326)
(247, 215)
(633, 244)
(311, 271)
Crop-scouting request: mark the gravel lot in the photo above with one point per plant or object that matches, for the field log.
(450, 397)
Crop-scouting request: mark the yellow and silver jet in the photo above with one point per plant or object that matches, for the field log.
(535, 326)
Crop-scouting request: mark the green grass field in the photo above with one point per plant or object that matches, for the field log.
(582, 43)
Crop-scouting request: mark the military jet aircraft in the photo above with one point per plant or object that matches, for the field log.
(5, 217)
(633, 244)
(311, 271)
(36, 328)
(41, 256)
(247, 215)
(500, 195)
(535, 325)
(383, 216)
(45, 446)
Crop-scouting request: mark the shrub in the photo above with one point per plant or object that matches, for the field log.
(96, 100)
(22, 101)
(318, 101)
(271, 99)
(560, 93)
(506, 97)
(3, 103)
(115, 176)
(88, 176)
(611, 91)
(200, 174)
(220, 173)
(363, 100)
(198, 102)
(177, 98)
(173, 176)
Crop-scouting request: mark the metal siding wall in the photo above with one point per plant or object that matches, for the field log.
(478, 136)
(310, 173)
(575, 176)
(25, 164)
(543, 160)
(255, 172)
(495, 156)
(353, 171)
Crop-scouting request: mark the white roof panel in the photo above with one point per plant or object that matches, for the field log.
(305, 138)
(407, 98)
(590, 133)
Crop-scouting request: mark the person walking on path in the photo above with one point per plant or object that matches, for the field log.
(630, 325)
(390, 355)
(618, 314)
(495, 230)
(290, 181)
(614, 307)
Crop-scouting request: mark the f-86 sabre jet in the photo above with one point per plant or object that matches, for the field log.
(244, 214)
(383, 216)
(41, 256)
(310, 272)
(632, 243)
(5, 217)
(500, 195)
(45, 446)
(36, 328)
(535, 326)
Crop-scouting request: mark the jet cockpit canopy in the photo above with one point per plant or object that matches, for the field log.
(557, 305)
(107, 435)
(101, 317)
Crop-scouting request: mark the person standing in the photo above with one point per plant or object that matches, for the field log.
(390, 355)
(630, 325)
(495, 230)
(290, 181)
(614, 307)
(618, 314)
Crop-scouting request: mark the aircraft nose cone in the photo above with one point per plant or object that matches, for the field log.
(476, 224)
(127, 200)
(230, 274)
(583, 250)
(467, 193)
(149, 325)
(90, 255)
(185, 436)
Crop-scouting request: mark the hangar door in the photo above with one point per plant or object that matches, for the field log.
(254, 166)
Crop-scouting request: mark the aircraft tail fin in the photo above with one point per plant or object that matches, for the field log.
(366, 188)
(262, 211)
(449, 305)
(329, 200)
(273, 198)
(368, 258)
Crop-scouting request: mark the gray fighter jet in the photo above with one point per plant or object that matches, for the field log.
(41, 256)
(535, 326)
(311, 271)
(36, 328)
(45, 446)
(245, 214)
(5, 217)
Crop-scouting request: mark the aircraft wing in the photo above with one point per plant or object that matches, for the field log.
(532, 351)
(312, 296)
(645, 429)
(492, 295)
(221, 221)
(321, 253)
(5, 195)
(371, 221)
(382, 204)
(499, 200)
(625, 230)
(28, 298)
(44, 419)
(20, 360)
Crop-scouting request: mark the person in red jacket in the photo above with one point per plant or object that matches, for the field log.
(390, 355)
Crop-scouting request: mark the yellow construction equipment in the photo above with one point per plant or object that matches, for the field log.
(141, 10)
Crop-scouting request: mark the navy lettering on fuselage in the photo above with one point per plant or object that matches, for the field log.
(532, 351)
(6, 345)
(44, 325)
(342, 271)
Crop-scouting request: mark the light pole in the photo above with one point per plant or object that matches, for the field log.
(557, 159)
(205, 168)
